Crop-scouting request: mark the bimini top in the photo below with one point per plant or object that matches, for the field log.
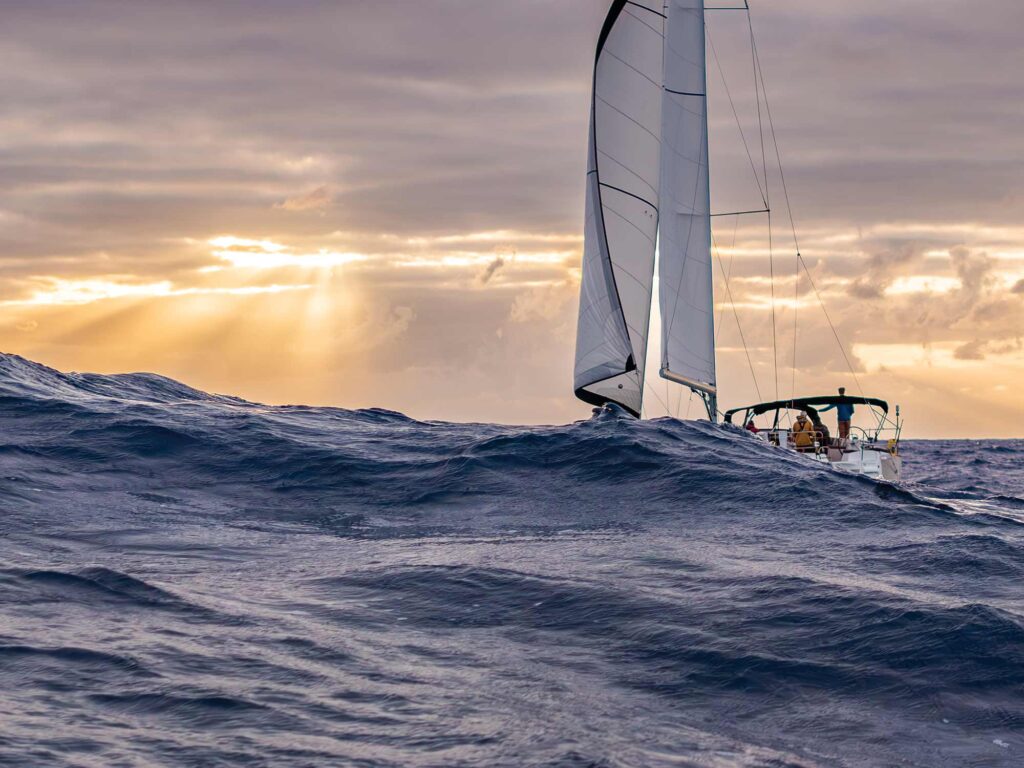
(807, 404)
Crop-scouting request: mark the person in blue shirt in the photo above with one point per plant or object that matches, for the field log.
(844, 414)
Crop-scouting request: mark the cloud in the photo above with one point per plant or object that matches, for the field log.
(972, 350)
(242, 253)
(542, 303)
(974, 271)
(389, 194)
(882, 267)
(378, 326)
(317, 200)
(55, 291)
(491, 269)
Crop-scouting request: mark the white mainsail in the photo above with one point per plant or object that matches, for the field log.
(686, 300)
(622, 206)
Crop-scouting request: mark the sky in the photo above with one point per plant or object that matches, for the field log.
(369, 204)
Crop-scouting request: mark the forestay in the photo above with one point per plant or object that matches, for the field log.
(621, 206)
(688, 343)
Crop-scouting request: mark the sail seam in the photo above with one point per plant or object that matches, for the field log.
(630, 223)
(636, 280)
(649, 10)
(645, 76)
(626, 370)
(618, 189)
(636, 122)
(641, 21)
(590, 351)
(626, 168)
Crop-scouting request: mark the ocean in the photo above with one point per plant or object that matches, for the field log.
(194, 580)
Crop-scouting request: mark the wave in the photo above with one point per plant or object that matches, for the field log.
(168, 436)
(332, 586)
(869, 632)
(69, 655)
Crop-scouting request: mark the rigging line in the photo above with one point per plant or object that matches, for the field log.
(739, 326)
(757, 99)
(771, 280)
(735, 114)
(658, 212)
(741, 213)
(728, 274)
(796, 310)
(759, 74)
(767, 204)
(771, 126)
(744, 7)
(831, 325)
(655, 393)
(789, 208)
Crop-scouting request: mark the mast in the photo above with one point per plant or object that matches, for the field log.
(623, 176)
(686, 295)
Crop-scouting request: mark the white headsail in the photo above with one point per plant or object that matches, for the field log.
(622, 206)
(687, 317)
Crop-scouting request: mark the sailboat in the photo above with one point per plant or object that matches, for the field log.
(648, 191)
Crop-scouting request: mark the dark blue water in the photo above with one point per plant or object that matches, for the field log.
(194, 580)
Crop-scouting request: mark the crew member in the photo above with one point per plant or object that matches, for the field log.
(803, 434)
(824, 437)
(844, 414)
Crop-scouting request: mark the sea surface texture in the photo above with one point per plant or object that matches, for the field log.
(194, 580)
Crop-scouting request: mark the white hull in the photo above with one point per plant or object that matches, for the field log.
(870, 458)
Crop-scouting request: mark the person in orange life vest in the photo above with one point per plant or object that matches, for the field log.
(802, 434)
